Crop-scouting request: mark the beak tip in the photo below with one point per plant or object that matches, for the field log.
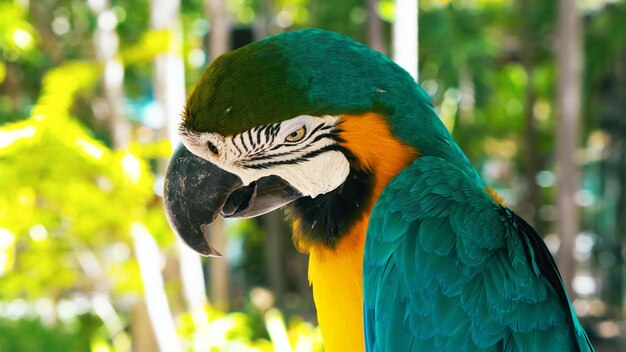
(189, 211)
(212, 252)
(201, 247)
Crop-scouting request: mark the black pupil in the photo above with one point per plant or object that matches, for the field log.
(212, 147)
(294, 134)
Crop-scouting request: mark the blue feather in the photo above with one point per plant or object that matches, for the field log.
(446, 268)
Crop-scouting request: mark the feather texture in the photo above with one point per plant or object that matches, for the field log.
(446, 268)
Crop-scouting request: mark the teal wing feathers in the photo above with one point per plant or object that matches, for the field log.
(446, 268)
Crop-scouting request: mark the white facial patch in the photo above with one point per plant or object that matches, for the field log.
(302, 151)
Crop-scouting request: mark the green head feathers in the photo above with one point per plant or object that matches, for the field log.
(315, 72)
(305, 72)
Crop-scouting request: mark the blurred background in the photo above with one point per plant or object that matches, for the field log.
(534, 91)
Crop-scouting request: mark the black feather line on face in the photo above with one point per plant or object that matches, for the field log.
(267, 157)
(239, 152)
(243, 144)
(328, 217)
(264, 156)
(258, 134)
(267, 130)
(252, 144)
(305, 157)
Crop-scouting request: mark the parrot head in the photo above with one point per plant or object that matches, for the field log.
(310, 120)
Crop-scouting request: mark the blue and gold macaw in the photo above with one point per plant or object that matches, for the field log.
(409, 250)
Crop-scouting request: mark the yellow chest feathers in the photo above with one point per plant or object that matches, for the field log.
(336, 273)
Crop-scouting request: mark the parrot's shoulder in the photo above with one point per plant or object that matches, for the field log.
(448, 268)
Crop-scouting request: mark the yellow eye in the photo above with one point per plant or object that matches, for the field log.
(297, 135)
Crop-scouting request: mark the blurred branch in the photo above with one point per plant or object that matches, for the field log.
(106, 42)
(148, 256)
(169, 68)
(275, 325)
(169, 88)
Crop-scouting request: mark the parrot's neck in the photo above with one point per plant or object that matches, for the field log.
(335, 272)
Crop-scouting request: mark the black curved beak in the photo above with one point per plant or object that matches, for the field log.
(196, 191)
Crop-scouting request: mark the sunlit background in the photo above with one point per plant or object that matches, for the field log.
(91, 92)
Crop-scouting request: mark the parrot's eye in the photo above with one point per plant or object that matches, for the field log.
(296, 136)
(212, 148)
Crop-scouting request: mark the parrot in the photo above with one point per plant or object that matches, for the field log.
(409, 250)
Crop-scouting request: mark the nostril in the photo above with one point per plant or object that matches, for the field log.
(212, 148)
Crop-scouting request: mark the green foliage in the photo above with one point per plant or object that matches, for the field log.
(236, 332)
(151, 44)
(32, 335)
(17, 36)
(68, 195)
(346, 17)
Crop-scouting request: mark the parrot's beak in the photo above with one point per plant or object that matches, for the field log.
(196, 191)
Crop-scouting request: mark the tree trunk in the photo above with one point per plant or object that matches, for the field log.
(532, 156)
(304, 286)
(41, 17)
(143, 339)
(12, 85)
(569, 65)
(219, 43)
(274, 256)
(219, 38)
(219, 272)
(374, 27)
(620, 233)
(262, 27)
(405, 36)
(614, 196)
